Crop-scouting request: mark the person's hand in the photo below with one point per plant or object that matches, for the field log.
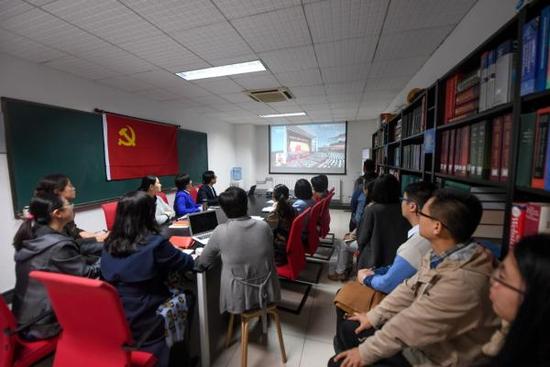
(101, 236)
(349, 358)
(362, 274)
(363, 321)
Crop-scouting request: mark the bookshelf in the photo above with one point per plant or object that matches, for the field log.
(486, 120)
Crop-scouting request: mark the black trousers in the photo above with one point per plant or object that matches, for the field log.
(346, 338)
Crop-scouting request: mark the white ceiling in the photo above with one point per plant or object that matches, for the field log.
(342, 59)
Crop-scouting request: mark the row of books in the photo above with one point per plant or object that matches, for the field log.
(493, 202)
(414, 121)
(536, 40)
(480, 150)
(412, 156)
(408, 179)
(378, 139)
(461, 96)
(529, 219)
(395, 133)
(533, 163)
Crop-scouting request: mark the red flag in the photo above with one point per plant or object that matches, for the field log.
(136, 148)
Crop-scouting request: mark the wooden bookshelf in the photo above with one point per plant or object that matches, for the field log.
(434, 98)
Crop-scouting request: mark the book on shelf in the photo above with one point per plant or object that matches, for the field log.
(529, 58)
(462, 167)
(474, 138)
(496, 149)
(544, 113)
(469, 95)
(444, 152)
(412, 156)
(537, 218)
(541, 141)
(483, 150)
(408, 179)
(468, 81)
(525, 149)
(504, 74)
(484, 72)
(517, 222)
(491, 79)
(506, 146)
(542, 50)
(450, 96)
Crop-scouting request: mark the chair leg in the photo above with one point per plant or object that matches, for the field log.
(277, 320)
(229, 330)
(244, 342)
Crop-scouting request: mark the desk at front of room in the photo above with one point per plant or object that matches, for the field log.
(213, 325)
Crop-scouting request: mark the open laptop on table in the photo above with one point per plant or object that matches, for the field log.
(201, 225)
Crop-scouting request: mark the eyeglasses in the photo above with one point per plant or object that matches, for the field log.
(496, 277)
(432, 218)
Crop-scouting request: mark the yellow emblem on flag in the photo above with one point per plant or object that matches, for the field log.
(129, 136)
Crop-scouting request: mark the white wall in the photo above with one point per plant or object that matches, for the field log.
(483, 20)
(359, 137)
(32, 82)
(244, 153)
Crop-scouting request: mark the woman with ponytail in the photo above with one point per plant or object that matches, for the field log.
(280, 221)
(41, 244)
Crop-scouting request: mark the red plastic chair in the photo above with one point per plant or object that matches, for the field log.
(324, 219)
(95, 330)
(163, 196)
(313, 229)
(109, 210)
(194, 193)
(295, 249)
(14, 351)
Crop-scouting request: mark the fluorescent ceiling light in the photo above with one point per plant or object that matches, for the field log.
(291, 114)
(233, 69)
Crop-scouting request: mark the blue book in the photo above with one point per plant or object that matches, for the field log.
(529, 58)
(542, 48)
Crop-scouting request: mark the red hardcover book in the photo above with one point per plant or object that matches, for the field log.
(536, 218)
(451, 160)
(443, 155)
(464, 150)
(517, 222)
(468, 95)
(506, 144)
(496, 147)
(450, 97)
(457, 150)
(539, 155)
(467, 108)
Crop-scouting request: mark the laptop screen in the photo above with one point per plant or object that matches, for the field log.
(203, 222)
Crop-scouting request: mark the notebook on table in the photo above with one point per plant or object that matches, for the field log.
(201, 225)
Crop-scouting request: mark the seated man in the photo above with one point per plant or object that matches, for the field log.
(441, 316)
(320, 187)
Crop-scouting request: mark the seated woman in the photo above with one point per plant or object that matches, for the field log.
(184, 203)
(280, 221)
(207, 194)
(136, 260)
(90, 243)
(151, 185)
(320, 187)
(245, 246)
(382, 227)
(304, 195)
(41, 243)
(520, 293)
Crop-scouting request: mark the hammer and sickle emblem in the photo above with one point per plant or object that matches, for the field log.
(127, 137)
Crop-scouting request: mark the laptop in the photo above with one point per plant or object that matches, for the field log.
(252, 189)
(201, 225)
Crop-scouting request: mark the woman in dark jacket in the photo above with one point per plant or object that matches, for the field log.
(280, 221)
(41, 244)
(137, 260)
(383, 228)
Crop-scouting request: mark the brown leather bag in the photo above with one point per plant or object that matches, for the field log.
(355, 297)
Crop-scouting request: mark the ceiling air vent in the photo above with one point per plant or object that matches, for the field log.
(270, 95)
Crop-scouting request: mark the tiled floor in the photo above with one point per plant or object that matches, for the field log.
(307, 337)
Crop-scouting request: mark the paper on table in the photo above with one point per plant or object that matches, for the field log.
(268, 209)
(270, 202)
(188, 251)
(257, 217)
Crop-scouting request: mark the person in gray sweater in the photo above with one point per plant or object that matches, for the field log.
(163, 212)
(245, 245)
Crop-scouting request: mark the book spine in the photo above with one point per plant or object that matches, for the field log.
(451, 161)
(517, 222)
(529, 58)
(496, 149)
(483, 81)
(525, 153)
(467, 108)
(490, 97)
(506, 145)
(542, 55)
(504, 70)
(484, 150)
(544, 220)
(541, 138)
(474, 132)
(546, 112)
(468, 95)
(465, 150)
(457, 150)
(532, 218)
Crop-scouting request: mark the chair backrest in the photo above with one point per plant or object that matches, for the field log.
(194, 191)
(7, 340)
(312, 227)
(92, 318)
(296, 256)
(109, 210)
(163, 196)
(324, 218)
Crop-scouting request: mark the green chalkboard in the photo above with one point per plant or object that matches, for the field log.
(43, 139)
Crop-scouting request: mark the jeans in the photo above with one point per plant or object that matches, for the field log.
(346, 338)
(341, 259)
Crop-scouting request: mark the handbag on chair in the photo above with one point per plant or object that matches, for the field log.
(354, 297)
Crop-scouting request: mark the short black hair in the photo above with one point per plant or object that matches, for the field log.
(182, 180)
(52, 184)
(234, 202)
(146, 182)
(386, 190)
(320, 183)
(419, 192)
(208, 176)
(459, 211)
(302, 189)
(368, 165)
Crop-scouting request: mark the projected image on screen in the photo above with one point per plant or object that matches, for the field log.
(308, 148)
